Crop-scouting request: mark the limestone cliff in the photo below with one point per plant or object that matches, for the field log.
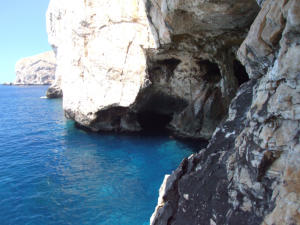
(146, 60)
(249, 173)
(132, 65)
(36, 70)
(100, 53)
(195, 62)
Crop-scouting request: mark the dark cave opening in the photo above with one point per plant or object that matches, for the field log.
(151, 121)
(240, 72)
(171, 63)
(212, 71)
(160, 67)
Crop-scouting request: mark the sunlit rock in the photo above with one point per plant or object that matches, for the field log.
(100, 54)
(36, 70)
(135, 61)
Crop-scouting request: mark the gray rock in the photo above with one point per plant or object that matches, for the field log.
(260, 2)
(249, 173)
(54, 91)
(197, 191)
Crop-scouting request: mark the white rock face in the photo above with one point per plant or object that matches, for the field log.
(36, 70)
(100, 53)
(119, 59)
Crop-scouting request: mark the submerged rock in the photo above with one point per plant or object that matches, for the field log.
(36, 70)
(249, 173)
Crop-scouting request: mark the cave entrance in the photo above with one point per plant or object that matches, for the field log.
(212, 72)
(151, 121)
(240, 72)
(162, 68)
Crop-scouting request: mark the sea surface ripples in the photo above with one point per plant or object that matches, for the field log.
(53, 173)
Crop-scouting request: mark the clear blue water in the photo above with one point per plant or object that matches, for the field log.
(53, 173)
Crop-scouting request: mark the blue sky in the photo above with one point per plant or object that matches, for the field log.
(23, 33)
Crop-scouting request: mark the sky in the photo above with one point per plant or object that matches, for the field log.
(22, 33)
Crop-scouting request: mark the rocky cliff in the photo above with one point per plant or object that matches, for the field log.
(133, 65)
(249, 173)
(36, 70)
(195, 61)
(100, 53)
(138, 61)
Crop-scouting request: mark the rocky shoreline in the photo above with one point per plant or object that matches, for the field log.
(181, 79)
(224, 71)
(249, 173)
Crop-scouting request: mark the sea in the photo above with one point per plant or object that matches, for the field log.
(54, 173)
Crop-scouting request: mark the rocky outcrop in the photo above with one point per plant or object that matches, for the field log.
(132, 65)
(55, 90)
(249, 173)
(36, 70)
(171, 63)
(195, 62)
(100, 59)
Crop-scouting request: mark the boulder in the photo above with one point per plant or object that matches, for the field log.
(54, 91)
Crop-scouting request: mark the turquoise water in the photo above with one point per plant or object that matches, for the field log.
(53, 173)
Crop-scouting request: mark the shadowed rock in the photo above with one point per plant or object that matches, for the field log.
(249, 173)
(139, 56)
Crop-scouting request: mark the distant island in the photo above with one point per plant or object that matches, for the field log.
(38, 70)
(8, 83)
(35, 70)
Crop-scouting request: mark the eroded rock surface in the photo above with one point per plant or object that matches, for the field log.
(137, 59)
(139, 63)
(100, 54)
(194, 71)
(249, 173)
(36, 70)
(55, 90)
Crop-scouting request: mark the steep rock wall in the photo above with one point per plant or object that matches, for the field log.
(136, 59)
(119, 63)
(249, 173)
(36, 70)
(202, 38)
(100, 54)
